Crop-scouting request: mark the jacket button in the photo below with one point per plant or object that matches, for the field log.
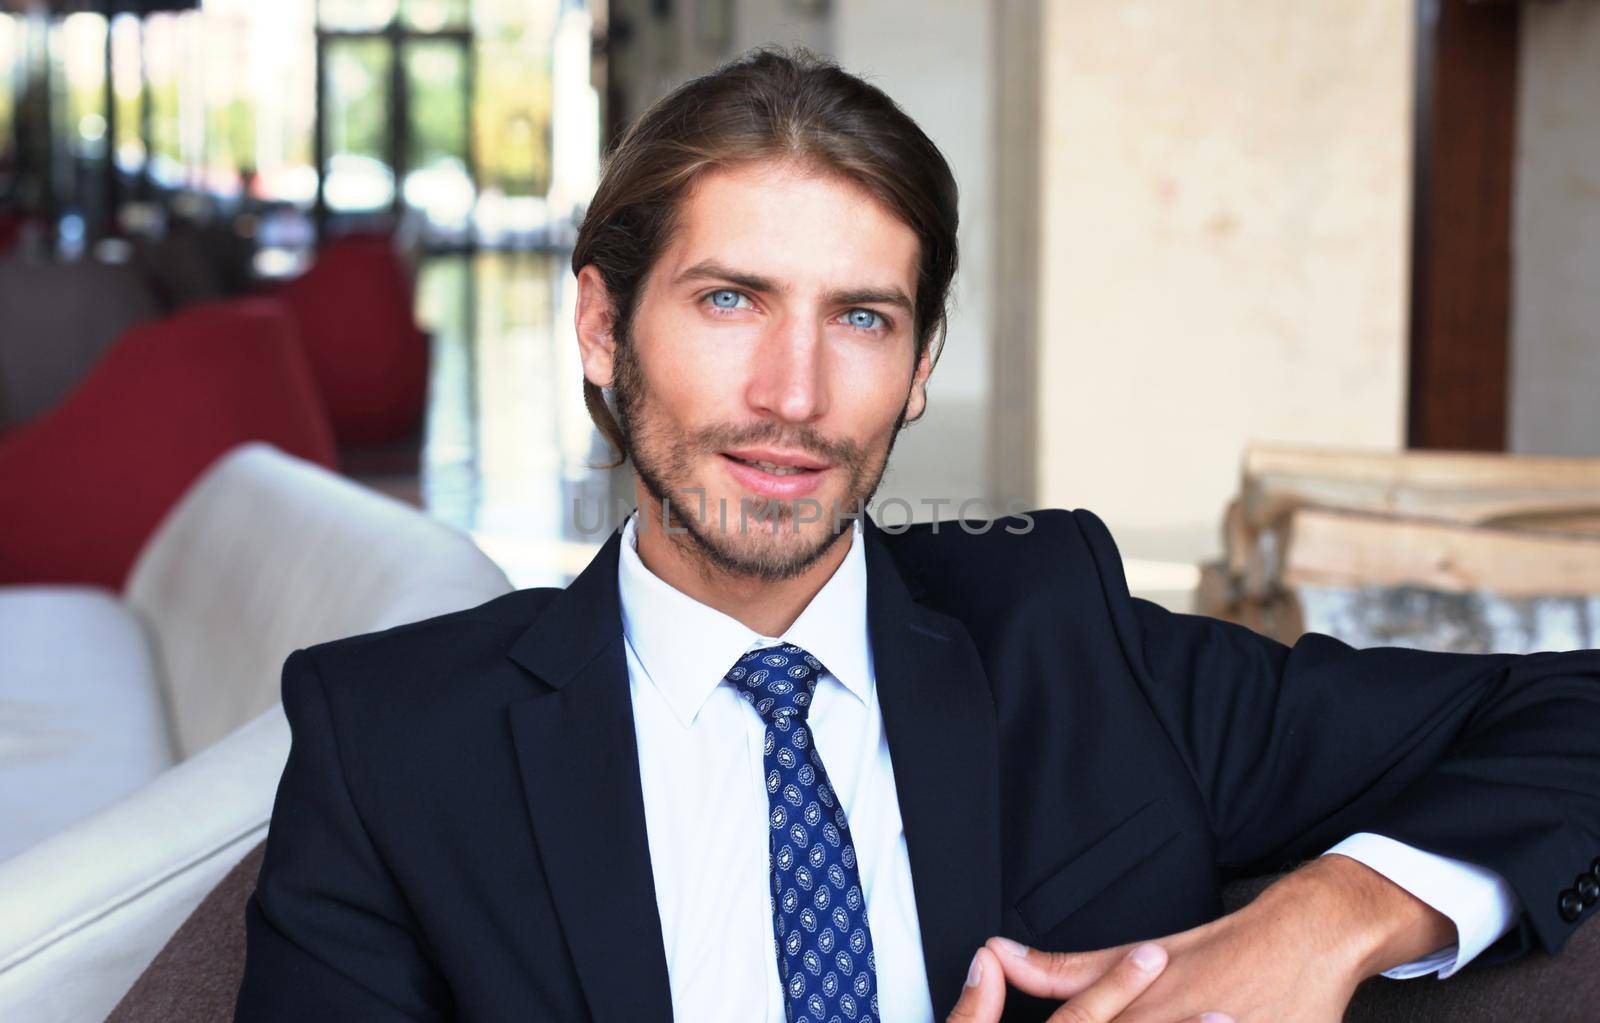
(1594, 868)
(1570, 905)
(1588, 889)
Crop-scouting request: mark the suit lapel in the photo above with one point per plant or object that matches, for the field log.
(940, 720)
(580, 773)
(580, 769)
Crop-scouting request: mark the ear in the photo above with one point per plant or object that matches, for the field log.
(917, 400)
(595, 322)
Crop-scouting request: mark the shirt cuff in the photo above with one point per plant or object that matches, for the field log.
(1476, 899)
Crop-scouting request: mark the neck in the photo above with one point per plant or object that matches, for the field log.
(765, 606)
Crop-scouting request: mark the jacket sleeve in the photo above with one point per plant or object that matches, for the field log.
(328, 932)
(1493, 759)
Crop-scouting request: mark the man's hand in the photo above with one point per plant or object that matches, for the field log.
(1294, 955)
(1096, 992)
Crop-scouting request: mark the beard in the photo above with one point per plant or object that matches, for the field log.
(664, 461)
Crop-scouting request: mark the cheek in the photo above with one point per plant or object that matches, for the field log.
(694, 379)
(873, 383)
(882, 370)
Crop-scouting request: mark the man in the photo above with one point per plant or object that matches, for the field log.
(766, 761)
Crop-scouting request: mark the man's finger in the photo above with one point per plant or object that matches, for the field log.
(1052, 974)
(1105, 999)
(985, 992)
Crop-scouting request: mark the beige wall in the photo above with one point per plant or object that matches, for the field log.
(935, 58)
(1555, 333)
(1224, 231)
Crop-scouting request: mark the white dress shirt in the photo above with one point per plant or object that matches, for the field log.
(1476, 899)
(705, 802)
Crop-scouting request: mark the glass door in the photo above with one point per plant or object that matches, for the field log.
(438, 170)
(395, 100)
(357, 151)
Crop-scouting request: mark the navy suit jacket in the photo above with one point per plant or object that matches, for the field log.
(459, 831)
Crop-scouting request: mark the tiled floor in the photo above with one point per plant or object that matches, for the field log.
(508, 443)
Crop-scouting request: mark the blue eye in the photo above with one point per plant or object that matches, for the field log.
(725, 298)
(865, 319)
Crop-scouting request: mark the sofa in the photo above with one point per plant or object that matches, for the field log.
(143, 741)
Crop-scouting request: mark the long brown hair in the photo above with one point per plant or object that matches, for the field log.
(768, 104)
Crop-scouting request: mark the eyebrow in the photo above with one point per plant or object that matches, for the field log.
(710, 269)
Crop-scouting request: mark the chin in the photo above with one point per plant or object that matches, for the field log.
(772, 520)
(757, 545)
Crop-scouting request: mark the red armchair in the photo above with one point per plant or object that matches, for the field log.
(354, 311)
(10, 231)
(83, 487)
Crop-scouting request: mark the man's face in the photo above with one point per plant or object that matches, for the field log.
(770, 363)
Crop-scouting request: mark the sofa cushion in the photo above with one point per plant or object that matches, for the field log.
(267, 553)
(81, 717)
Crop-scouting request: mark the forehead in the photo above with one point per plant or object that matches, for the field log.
(795, 225)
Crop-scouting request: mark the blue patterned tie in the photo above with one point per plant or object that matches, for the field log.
(819, 915)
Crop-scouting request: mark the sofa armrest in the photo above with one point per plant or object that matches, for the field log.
(87, 909)
(196, 977)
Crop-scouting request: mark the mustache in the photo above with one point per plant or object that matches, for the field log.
(804, 438)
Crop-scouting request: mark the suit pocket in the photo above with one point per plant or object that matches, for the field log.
(1111, 856)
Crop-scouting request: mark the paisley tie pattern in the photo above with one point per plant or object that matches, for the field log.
(819, 914)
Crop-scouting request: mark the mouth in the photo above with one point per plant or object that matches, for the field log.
(778, 463)
(775, 474)
(771, 468)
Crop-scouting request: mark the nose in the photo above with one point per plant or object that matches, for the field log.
(788, 379)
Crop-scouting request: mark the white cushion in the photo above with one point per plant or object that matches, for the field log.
(88, 909)
(267, 553)
(81, 717)
(264, 554)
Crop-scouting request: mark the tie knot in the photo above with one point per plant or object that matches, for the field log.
(778, 682)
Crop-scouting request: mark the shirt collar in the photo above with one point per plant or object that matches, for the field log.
(686, 647)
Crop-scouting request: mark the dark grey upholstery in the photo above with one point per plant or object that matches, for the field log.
(196, 976)
(58, 319)
(179, 269)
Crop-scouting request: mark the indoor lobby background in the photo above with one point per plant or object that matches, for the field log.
(1303, 299)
